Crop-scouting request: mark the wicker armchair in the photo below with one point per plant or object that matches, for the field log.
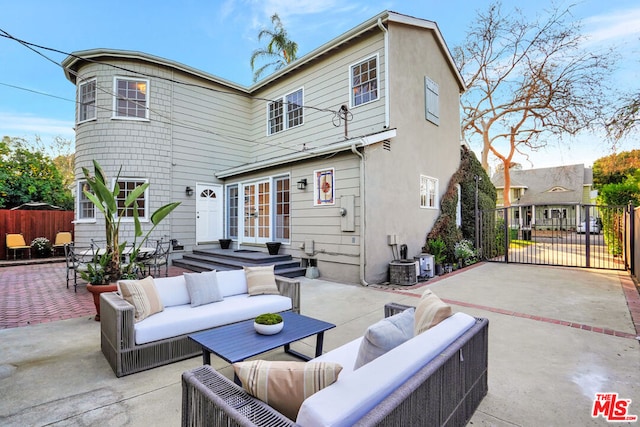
(446, 391)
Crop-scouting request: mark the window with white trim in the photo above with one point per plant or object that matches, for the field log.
(85, 209)
(87, 101)
(364, 81)
(428, 192)
(286, 112)
(127, 185)
(132, 98)
(432, 101)
(232, 211)
(282, 227)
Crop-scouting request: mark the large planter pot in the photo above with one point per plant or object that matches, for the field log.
(273, 247)
(96, 290)
(224, 243)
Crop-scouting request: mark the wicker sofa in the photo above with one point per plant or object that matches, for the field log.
(123, 340)
(446, 390)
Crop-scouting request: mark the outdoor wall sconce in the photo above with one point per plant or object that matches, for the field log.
(302, 184)
(188, 191)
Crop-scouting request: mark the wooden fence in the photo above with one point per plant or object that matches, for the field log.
(32, 224)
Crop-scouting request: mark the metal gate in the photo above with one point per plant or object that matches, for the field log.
(590, 236)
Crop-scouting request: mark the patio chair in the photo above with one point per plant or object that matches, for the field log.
(159, 258)
(15, 242)
(77, 259)
(62, 238)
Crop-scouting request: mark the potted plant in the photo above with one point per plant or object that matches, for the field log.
(224, 243)
(273, 247)
(464, 252)
(268, 323)
(42, 247)
(109, 268)
(437, 248)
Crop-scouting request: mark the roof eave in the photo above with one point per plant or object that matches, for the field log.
(361, 141)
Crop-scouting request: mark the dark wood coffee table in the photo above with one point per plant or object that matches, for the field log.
(239, 341)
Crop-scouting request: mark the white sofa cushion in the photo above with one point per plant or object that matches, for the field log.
(232, 282)
(184, 319)
(172, 291)
(354, 395)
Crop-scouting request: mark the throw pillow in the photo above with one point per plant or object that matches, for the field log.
(202, 287)
(384, 336)
(285, 385)
(143, 295)
(430, 311)
(261, 280)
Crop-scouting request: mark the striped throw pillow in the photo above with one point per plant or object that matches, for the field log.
(285, 385)
(261, 280)
(142, 295)
(430, 311)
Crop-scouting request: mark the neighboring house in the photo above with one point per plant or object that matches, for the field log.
(548, 197)
(277, 161)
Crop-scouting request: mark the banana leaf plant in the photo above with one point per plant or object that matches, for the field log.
(105, 200)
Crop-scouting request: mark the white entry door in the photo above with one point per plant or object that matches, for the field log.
(257, 212)
(209, 213)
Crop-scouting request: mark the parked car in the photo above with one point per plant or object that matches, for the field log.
(594, 226)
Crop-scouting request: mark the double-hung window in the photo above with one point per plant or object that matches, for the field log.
(286, 112)
(428, 192)
(132, 98)
(364, 81)
(86, 210)
(127, 185)
(87, 101)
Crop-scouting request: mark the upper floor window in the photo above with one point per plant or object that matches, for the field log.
(132, 98)
(428, 192)
(86, 211)
(364, 81)
(286, 112)
(87, 101)
(432, 101)
(127, 185)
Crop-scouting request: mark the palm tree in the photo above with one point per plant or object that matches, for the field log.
(280, 50)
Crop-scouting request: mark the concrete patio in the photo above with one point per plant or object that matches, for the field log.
(558, 336)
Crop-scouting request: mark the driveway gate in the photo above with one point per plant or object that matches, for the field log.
(558, 235)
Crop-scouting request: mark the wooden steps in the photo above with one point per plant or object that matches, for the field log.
(229, 259)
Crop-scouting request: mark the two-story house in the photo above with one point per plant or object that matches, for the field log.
(550, 198)
(351, 143)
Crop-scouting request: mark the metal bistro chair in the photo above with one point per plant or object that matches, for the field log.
(159, 258)
(77, 259)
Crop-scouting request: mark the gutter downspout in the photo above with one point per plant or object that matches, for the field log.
(363, 227)
(386, 73)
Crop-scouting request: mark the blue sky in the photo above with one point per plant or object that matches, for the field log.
(219, 36)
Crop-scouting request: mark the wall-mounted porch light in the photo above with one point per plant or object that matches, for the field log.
(188, 191)
(302, 184)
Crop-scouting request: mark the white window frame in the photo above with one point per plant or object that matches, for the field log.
(431, 101)
(274, 194)
(84, 204)
(426, 201)
(86, 107)
(116, 98)
(145, 196)
(286, 113)
(352, 89)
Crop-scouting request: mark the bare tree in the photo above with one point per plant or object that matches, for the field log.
(528, 81)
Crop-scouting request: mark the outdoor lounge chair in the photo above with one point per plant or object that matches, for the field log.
(62, 238)
(15, 242)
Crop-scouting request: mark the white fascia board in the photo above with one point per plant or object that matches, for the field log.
(362, 141)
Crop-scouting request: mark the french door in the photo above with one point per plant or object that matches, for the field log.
(257, 212)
